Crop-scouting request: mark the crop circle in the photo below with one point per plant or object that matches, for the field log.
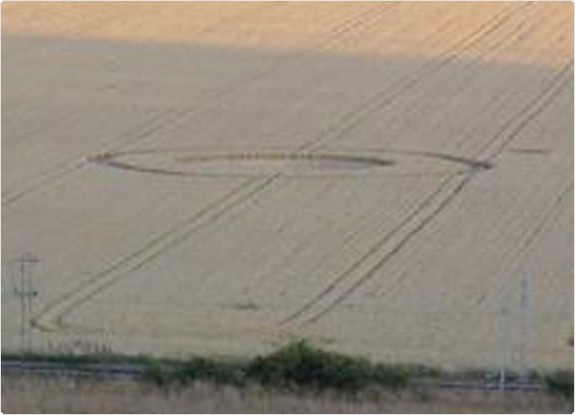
(194, 163)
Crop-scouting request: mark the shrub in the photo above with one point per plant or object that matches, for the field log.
(296, 366)
(299, 364)
(196, 369)
(561, 382)
(217, 371)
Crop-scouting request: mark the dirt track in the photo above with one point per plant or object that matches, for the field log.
(471, 110)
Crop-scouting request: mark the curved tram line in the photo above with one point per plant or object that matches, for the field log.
(51, 316)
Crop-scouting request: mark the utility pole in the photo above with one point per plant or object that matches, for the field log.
(503, 314)
(26, 291)
(506, 321)
(503, 334)
(524, 326)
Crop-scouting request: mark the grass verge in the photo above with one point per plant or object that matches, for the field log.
(297, 366)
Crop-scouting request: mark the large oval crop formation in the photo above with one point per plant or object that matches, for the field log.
(384, 179)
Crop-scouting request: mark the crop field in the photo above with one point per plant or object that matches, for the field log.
(393, 180)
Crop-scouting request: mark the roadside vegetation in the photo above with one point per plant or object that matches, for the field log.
(35, 394)
(297, 367)
(560, 382)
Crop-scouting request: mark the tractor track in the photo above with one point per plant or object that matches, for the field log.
(513, 260)
(62, 170)
(74, 299)
(102, 280)
(449, 189)
(54, 312)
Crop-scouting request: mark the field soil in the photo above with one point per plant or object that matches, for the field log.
(392, 180)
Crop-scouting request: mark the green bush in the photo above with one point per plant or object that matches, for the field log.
(561, 382)
(219, 372)
(196, 369)
(299, 364)
(296, 366)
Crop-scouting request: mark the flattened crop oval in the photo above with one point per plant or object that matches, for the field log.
(189, 162)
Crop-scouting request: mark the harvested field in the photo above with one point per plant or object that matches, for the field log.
(222, 178)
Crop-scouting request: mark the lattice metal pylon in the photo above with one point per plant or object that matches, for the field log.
(26, 291)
